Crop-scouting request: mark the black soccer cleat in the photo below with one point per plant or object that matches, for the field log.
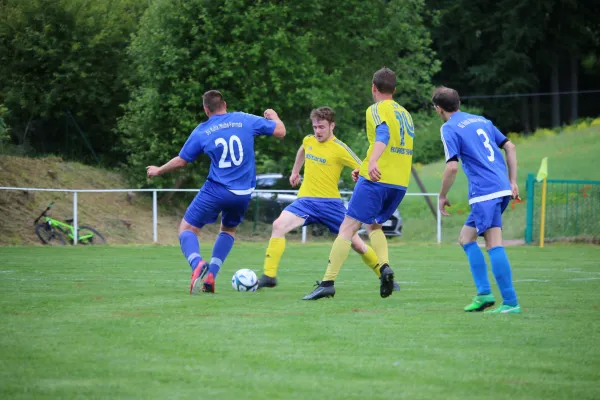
(396, 286)
(320, 292)
(386, 281)
(266, 281)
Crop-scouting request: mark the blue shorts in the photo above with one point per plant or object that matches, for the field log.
(212, 199)
(374, 202)
(314, 210)
(487, 214)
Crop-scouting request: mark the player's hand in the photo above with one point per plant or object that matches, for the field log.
(271, 114)
(444, 202)
(355, 174)
(295, 179)
(152, 171)
(374, 172)
(514, 188)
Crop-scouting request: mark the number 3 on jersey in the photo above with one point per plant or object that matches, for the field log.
(228, 150)
(486, 143)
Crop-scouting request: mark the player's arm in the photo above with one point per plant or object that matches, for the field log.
(295, 177)
(451, 150)
(511, 159)
(382, 138)
(279, 131)
(174, 164)
(189, 152)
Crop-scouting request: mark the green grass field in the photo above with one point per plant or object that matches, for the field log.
(118, 322)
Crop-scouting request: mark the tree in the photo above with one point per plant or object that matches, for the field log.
(292, 56)
(65, 55)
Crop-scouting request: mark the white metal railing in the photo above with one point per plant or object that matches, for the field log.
(155, 203)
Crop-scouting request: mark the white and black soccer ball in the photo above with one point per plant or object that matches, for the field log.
(244, 280)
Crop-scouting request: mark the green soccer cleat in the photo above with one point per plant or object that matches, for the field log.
(504, 309)
(480, 303)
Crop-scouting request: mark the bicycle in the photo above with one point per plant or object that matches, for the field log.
(53, 231)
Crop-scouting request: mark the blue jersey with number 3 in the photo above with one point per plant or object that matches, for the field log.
(476, 142)
(228, 139)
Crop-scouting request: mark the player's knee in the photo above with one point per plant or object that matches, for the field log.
(186, 226)
(228, 229)
(279, 227)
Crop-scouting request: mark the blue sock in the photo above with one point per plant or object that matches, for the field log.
(222, 248)
(478, 268)
(190, 248)
(501, 270)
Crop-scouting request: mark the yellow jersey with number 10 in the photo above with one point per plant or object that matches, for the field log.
(396, 161)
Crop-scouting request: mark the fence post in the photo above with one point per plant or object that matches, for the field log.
(530, 187)
(75, 225)
(439, 221)
(154, 217)
(304, 234)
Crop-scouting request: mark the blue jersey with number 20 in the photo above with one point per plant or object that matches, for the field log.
(228, 139)
(477, 142)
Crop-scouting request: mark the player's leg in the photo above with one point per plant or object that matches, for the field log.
(366, 252)
(331, 213)
(391, 200)
(200, 212)
(286, 222)
(233, 208)
(337, 256)
(369, 257)
(363, 208)
(499, 260)
(468, 240)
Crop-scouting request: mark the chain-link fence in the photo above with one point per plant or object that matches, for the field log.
(572, 210)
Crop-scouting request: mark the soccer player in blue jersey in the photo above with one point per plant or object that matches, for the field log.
(324, 157)
(381, 183)
(228, 139)
(477, 142)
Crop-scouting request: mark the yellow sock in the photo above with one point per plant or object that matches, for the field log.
(339, 253)
(274, 253)
(370, 258)
(379, 243)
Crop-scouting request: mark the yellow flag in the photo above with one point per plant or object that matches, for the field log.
(543, 172)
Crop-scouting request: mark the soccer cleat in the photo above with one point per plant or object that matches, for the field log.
(481, 302)
(208, 285)
(505, 309)
(396, 286)
(386, 286)
(197, 275)
(266, 281)
(320, 292)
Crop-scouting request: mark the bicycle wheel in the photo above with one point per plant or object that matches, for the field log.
(88, 235)
(49, 235)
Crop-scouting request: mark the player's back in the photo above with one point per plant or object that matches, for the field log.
(396, 161)
(476, 142)
(228, 139)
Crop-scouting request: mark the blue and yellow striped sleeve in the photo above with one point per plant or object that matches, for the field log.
(348, 157)
(376, 114)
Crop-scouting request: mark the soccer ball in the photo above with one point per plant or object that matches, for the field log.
(244, 280)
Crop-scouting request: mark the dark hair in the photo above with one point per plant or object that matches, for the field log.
(445, 98)
(213, 100)
(385, 80)
(325, 113)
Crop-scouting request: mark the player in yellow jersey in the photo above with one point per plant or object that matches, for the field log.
(381, 183)
(324, 157)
